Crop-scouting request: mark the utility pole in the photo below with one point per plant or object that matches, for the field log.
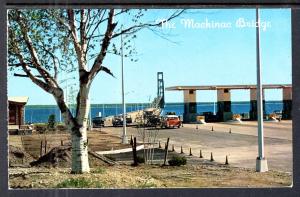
(261, 161)
(124, 137)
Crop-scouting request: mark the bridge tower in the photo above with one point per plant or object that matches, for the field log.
(160, 89)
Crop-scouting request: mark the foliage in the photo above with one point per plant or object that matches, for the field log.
(43, 44)
(51, 122)
(146, 185)
(140, 159)
(40, 127)
(79, 183)
(99, 170)
(177, 161)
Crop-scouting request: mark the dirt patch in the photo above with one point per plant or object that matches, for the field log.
(61, 157)
(97, 141)
(151, 176)
(18, 157)
(57, 157)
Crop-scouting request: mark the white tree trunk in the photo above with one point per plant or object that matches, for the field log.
(78, 128)
(80, 162)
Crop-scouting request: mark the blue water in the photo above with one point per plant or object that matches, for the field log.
(38, 114)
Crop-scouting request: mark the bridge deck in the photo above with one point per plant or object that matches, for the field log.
(217, 87)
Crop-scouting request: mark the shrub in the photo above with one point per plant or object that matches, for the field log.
(177, 161)
(51, 122)
(99, 170)
(74, 183)
(146, 185)
(140, 159)
(61, 127)
(40, 127)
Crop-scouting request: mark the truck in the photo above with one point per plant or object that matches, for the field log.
(98, 122)
(171, 121)
(118, 120)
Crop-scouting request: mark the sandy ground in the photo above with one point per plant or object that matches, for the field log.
(149, 176)
(240, 145)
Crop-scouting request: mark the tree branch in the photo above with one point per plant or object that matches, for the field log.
(91, 36)
(25, 75)
(105, 43)
(78, 49)
(136, 28)
(54, 59)
(82, 27)
(46, 76)
(108, 71)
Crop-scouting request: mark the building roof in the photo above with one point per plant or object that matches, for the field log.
(18, 99)
(217, 87)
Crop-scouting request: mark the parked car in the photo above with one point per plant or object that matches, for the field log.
(98, 122)
(171, 121)
(118, 120)
(278, 114)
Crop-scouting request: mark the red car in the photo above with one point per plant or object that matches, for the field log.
(171, 121)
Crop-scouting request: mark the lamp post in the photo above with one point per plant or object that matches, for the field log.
(261, 161)
(124, 137)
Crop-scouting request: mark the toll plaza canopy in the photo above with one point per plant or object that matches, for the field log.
(224, 112)
(217, 87)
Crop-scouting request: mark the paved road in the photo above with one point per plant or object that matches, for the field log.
(240, 145)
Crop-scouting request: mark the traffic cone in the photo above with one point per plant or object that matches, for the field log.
(201, 156)
(211, 157)
(226, 161)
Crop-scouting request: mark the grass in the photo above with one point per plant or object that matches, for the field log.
(80, 183)
(146, 185)
(75, 183)
(99, 170)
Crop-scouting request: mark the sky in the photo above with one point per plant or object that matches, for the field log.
(192, 55)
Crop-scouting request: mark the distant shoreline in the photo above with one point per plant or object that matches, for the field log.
(168, 103)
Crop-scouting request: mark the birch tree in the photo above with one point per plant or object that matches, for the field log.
(42, 44)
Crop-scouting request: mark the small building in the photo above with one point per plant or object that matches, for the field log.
(16, 107)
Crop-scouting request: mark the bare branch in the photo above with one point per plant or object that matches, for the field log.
(108, 71)
(92, 23)
(82, 27)
(105, 43)
(78, 49)
(91, 36)
(25, 75)
(46, 75)
(54, 59)
(136, 28)
(34, 79)
(19, 64)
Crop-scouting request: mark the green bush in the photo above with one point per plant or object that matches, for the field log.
(40, 127)
(99, 170)
(146, 185)
(61, 127)
(140, 159)
(177, 161)
(75, 183)
(51, 122)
